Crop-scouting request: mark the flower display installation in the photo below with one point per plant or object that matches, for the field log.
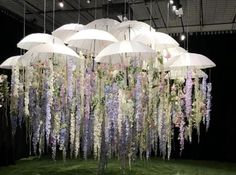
(112, 109)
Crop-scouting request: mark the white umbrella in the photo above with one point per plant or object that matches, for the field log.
(129, 29)
(11, 61)
(122, 52)
(189, 61)
(35, 39)
(43, 52)
(92, 40)
(103, 24)
(167, 54)
(157, 40)
(173, 52)
(175, 74)
(67, 30)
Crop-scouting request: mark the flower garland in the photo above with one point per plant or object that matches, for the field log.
(204, 87)
(3, 91)
(80, 104)
(181, 133)
(188, 94)
(14, 97)
(197, 104)
(96, 113)
(55, 136)
(78, 118)
(63, 124)
(208, 106)
(86, 121)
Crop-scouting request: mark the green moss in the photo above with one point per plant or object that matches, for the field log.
(31, 166)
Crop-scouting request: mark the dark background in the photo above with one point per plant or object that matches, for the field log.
(218, 144)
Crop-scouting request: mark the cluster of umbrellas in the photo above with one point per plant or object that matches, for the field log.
(109, 41)
(62, 103)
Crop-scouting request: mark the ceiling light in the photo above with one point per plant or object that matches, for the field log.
(174, 7)
(182, 37)
(171, 2)
(179, 12)
(61, 4)
(88, 1)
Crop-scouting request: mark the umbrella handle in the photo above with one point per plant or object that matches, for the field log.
(127, 76)
(126, 71)
(93, 66)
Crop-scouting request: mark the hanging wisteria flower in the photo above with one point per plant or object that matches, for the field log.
(204, 87)
(115, 112)
(3, 90)
(94, 113)
(34, 111)
(181, 134)
(188, 94)
(112, 106)
(88, 91)
(20, 110)
(56, 118)
(14, 97)
(208, 102)
(78, 118)
(98, 118)
(69, 80)
(63, 124)
(15, 81)
(138, 103)
(49, 100)
(28, 81)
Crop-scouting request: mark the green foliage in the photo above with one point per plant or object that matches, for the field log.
(152, 167)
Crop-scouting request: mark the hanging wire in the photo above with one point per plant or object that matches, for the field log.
(95, 11)
(150, 17)
(168, 16)
(78, 11)
(24, 20)
(129, 9)
(124, 11)
(107, 13)
(187, 29)
(44, 17)
(107, 8)
(53, 15)
(24, 23)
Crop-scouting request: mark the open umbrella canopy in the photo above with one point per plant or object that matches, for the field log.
(173, 52)
(157, 40)
(103, 24)
(10, 62)
(35, 39)
(91, 40)
(43, 52)
(122, 52)
(67, 30)
(176, 74)
(129, 29)
(189, 61)
(167, 54)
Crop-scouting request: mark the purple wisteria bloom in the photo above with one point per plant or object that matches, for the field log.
(188, 94)
(138, 103)
(204, 87)
(86, 123)
(208, 108)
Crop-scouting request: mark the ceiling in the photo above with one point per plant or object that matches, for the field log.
(199, 15)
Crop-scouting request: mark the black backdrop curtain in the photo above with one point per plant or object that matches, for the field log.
(11, 32)
(219, 143)
(6, 139)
